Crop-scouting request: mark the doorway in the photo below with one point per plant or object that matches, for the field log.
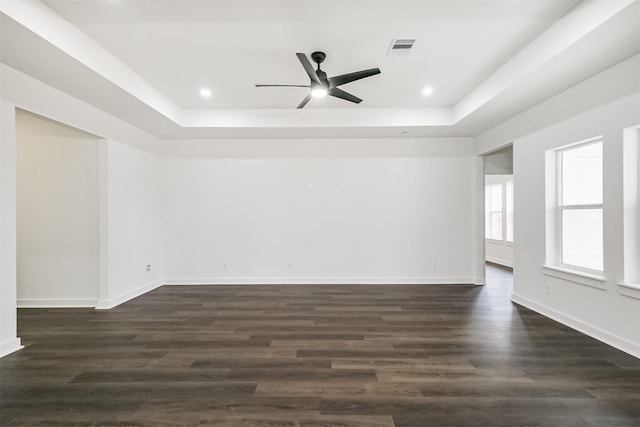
(499, 193)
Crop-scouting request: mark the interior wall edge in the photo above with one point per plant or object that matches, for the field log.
(127, 296)
(8, 267)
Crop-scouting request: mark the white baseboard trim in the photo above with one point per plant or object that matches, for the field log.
(120, 299)
(587, 329)
(499, 261)
(56, 303)
(360, 280)
(9, 346)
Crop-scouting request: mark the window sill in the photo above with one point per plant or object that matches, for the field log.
(498, 242)
(631, 290)
(591, 280)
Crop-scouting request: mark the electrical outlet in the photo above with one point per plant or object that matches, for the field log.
(435, 265)
(148, 267)
(548, 289)
(225, 265)
(290, 265)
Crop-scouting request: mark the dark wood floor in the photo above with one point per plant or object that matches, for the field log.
(315, 356)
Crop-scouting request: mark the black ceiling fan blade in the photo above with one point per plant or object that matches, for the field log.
(339, 93)
(304, 101)
(307, 86)
(308, 68)
(346, 78)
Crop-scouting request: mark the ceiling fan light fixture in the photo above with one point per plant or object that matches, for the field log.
(321, 85)
(319, 92)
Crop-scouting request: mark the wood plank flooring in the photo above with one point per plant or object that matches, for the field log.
(315, 356)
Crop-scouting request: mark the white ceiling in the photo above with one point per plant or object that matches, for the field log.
(145, 61)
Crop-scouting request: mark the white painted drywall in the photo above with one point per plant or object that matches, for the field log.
(134, 230)
(602, 313)
(499, 162)
(602, 105)
(610, 85)
(57, 214)
(499, 252)
(37, 97)
(127, 146)
(319, 211)
(9, 342)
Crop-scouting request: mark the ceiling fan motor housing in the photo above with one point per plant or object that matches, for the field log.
(323, 78)
(318, 57)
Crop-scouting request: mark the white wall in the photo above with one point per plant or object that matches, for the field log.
(496, 251)
(603, 313)
(9, 342)
(128, 185)
(134, 234)
(499, 162)
(611, 84)
(57, 214)
(377, 211)
(602, 105)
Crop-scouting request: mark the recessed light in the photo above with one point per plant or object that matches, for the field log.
(427, 91)
(205, 93)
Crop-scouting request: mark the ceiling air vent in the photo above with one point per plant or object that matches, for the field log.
(401, 46)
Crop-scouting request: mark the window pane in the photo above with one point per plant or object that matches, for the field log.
(495, 197)
(495, 231)
(510, 211)
(582, 175)
(487, 212)
(582, 238)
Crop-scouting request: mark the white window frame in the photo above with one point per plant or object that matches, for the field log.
(554, 265)
(561, 207)
(488, 213)
(505, 210)
(631, 223)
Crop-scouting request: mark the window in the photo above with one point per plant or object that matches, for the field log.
(499, 209)
(493, 209)
(579, 206)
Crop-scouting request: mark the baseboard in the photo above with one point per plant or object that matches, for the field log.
(120, 299)
(9, 346)
(499, 261)
(55, 303)
(587, 329)
(357, 280)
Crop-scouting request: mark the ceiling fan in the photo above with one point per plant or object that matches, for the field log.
(322, 86)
